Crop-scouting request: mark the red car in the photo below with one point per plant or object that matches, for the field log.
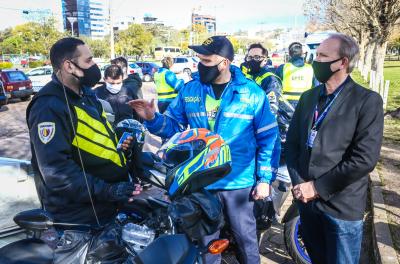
(16, 84)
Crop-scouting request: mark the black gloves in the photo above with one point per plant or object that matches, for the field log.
(120, 192)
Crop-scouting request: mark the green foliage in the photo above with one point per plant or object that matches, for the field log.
(5, 65)
(34, 64)
(100, 47)
(32, 37)
(135, 40)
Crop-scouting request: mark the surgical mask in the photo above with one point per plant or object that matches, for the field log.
(208, 74)
(254, 66)
(91, 76)
(114, 88)
(322, 70)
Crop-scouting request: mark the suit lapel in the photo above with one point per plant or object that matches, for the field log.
(338, 102)
(310, 107)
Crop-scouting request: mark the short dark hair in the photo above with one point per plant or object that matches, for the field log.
(120, 61)
(295, 49)
(113, 71)
(264, 51)
(64, 49)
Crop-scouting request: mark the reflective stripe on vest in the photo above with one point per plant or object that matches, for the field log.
(261, 78)
(92, 136)
(245, 71)
(296, 80)
(164, 90)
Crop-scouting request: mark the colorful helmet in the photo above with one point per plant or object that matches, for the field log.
(132, 126)
(195, 159)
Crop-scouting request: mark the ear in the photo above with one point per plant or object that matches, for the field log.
(345, 61)
(67, 66)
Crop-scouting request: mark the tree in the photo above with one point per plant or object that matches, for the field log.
(100, 47)
(371, 22)
(133, 41)
(32, 37)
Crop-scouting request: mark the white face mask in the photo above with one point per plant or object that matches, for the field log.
(114, 88)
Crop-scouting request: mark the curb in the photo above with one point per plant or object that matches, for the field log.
(384, 251)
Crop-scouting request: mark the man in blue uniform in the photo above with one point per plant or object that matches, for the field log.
(221, 99)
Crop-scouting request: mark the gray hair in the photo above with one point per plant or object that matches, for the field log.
(348, 48)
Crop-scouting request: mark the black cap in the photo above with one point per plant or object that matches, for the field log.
(218, 45)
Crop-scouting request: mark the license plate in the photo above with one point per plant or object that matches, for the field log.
(22, 88)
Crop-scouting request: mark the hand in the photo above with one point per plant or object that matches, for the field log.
(127, 144)
(143, 108)
(305, 192)
(137, 191)
(261, 191)
(123, 191)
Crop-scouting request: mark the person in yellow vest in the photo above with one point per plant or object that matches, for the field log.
(255, 68)
(297, 76)
(80, 176)
(167, 84)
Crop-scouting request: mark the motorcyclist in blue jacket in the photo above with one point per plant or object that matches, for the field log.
(220, 98)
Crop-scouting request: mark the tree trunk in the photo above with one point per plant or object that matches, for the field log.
(379, 57)
(363, 44)
(368, 55)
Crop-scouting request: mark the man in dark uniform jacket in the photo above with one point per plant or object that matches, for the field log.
(79, 175)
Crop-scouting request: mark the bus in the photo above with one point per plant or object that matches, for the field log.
(161, 52)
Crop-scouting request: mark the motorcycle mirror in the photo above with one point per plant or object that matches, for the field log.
(35, 220)
(218, 246)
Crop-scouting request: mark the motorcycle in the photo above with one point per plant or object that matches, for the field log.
(149, 230)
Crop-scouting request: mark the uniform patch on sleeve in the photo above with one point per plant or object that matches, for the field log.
(46, 131)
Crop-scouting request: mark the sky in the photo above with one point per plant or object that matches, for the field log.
(231, 15)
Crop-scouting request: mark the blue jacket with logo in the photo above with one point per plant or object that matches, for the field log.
(244, 121)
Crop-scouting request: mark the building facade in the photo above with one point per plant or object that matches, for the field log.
(88, 18)
(208, 21)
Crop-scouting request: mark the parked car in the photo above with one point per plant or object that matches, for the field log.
(3, 95)
(134, 68)
(187, 65)
(17, 84)
(148, 69)
(40, 77)
(17, 193)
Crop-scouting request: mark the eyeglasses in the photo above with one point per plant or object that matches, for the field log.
(255, 57)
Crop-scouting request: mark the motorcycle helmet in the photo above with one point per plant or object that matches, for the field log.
(134, 127)
(194, 159)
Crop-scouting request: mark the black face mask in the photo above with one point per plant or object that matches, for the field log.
(254, 66)
(208, 73)
(91, 75)
(322, 70)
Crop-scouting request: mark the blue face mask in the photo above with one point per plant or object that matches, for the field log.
(114, 88)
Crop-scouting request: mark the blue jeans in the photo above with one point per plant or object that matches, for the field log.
(329, 240)
(239, 214)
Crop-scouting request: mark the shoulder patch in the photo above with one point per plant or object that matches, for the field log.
(46, 131)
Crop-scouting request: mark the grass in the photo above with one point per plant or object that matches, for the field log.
(392, 73)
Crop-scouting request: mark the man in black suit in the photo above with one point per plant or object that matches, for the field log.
(333, 142)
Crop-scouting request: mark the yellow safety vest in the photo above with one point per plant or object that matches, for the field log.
(245, 71)
(93, 137)
(164, 90)
(296, 80)
(260, 79)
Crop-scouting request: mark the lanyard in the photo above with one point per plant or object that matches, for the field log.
(319, 118)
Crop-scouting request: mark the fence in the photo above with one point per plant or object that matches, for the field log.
(392, 57)
(377, 83)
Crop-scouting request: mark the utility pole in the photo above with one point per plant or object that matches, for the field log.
(112, 50)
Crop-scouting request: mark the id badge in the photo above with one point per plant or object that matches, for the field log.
(311, 138)
(122, 139)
